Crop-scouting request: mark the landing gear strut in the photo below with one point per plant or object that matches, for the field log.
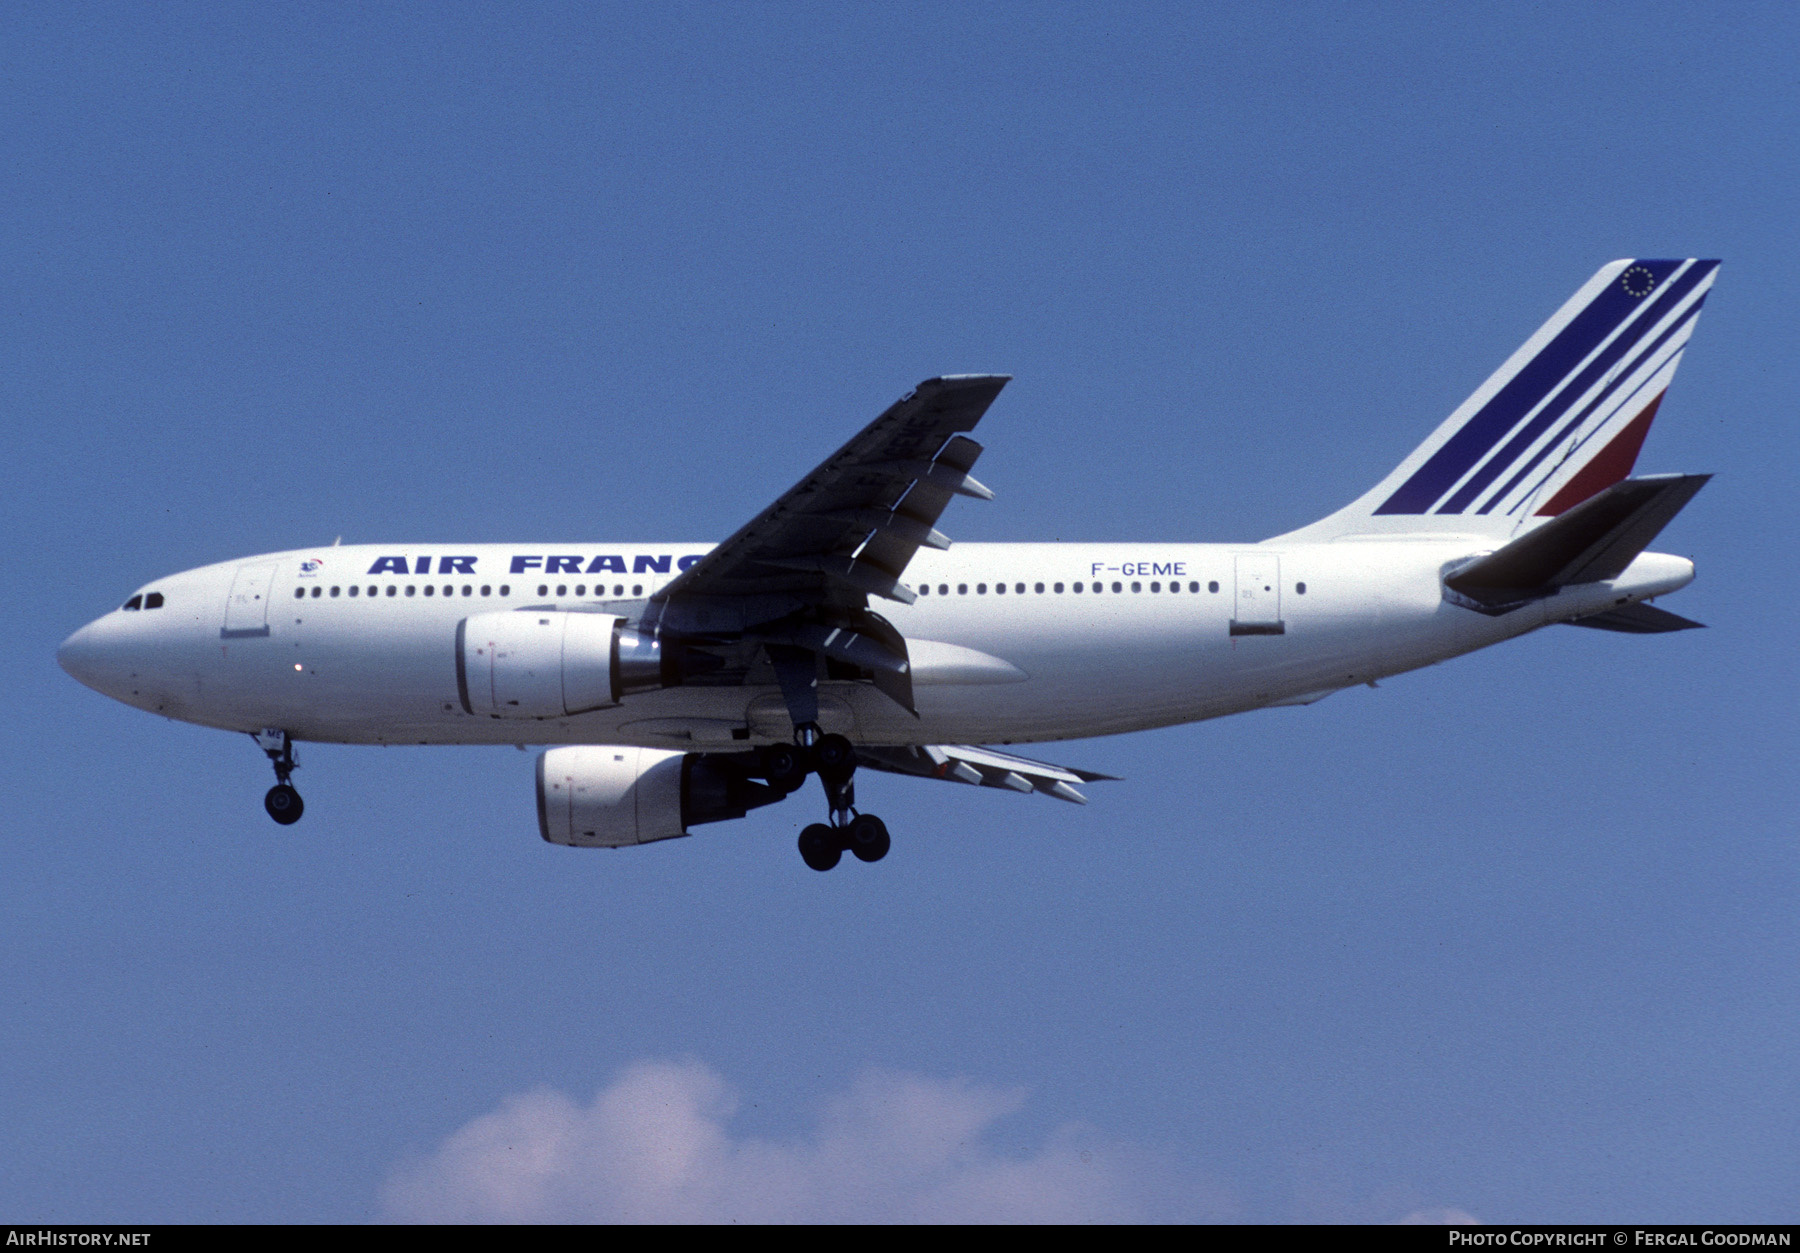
(822, 845)
(282, 802)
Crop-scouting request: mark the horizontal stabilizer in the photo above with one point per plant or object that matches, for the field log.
(1590, 543)
(1638, 619)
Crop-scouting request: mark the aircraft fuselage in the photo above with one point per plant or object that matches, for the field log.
(1011, 643)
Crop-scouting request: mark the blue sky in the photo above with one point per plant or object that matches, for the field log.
(1513, 937)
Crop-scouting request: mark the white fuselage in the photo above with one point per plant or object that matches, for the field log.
(282, 641)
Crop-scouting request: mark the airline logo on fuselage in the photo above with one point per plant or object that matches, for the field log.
(547, 563)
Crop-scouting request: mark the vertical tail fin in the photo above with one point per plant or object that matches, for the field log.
(1562, 420)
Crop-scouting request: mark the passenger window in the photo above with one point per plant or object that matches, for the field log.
(1174, 587)
(1155, 587)
(999, 589)
(1300, 588)
(618, 589)
(506, 589)
(1076, 588)
(1040, 589)
(410, 589)
(467, 590)
(392, 590)
(486, 588)
(316, 590)
(449, 590)
(373, 589)
(962, 589)
(1136, 587)
(581, 589)
(299, 592)
(637, 589)
(355, 590)
(924, 589)
(981, 589)
(334, 591)
(543, 589)
(136, 602)
(1058, 587)
(1213, 586)
(562, 589)
(943, 589)
(430, 590)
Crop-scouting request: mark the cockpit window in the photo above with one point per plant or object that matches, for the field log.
(136, 602)
(153, 601)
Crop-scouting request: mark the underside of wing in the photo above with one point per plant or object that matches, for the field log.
(982, 767)
(786, 599)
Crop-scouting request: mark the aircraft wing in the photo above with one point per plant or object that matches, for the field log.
(847, 530)
(793, 584)
(983, 767)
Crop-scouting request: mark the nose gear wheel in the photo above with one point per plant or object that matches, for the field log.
(282, 801)
(284, 804)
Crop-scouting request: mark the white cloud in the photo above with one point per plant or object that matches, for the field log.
(656, 1146)
(1443, 1217)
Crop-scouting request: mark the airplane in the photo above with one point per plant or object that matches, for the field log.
(685, 684)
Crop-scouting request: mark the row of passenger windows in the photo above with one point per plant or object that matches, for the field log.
(962, 589)
(562, 589)
(153, 600)
(393, 589)
(430, 589)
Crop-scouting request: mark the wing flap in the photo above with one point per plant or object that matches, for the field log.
(982, 767)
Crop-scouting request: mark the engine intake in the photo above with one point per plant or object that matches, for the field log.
(548, 663)
(614, 796)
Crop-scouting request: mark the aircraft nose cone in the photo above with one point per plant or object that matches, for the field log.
(79, 656)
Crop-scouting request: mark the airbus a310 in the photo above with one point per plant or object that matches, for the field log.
(690, 683)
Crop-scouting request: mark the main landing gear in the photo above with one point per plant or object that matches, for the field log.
(833, 759)
(282, 802)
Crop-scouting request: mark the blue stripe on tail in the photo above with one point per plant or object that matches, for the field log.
(1525, 390)
(1587, 411)
(1595, 370)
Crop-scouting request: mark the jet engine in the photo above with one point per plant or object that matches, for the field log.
(547, 663)
(613, 796)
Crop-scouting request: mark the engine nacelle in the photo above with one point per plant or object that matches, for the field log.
(613, 796)
(548, 664)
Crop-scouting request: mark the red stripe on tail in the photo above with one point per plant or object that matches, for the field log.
(1609, 465)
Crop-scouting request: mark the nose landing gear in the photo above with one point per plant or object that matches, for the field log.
(822, 845)
(282, 802)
